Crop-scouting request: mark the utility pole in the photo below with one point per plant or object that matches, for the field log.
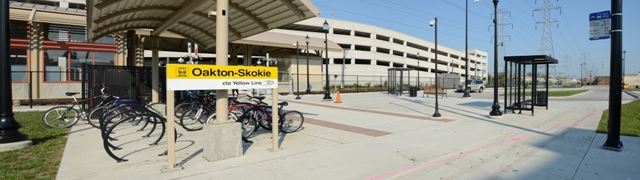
(615, 84)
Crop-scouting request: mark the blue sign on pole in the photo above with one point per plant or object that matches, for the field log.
(600, 25)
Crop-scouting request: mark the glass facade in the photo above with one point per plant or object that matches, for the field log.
(68, 33)
(18, 61)
(62, 65)
(55, 65)
(18, 29)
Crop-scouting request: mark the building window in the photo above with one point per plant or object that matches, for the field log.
(382, 37)
(362, 34)
(344, 46)
(104, 58)
(382, 63)
(363, 61)
(78, 59)
(108, 39)
(382, 50)
(55, 65)
(398, 53)
(68, 33)
(77, 6)
(18, 61)
(398, 41)
(362, 48)
(342, 31)
(18, 29)
(62, 65)
(340, 61)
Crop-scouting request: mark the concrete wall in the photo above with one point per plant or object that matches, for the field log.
(57, 90)
(20, 91)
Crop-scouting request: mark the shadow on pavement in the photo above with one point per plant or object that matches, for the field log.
(577, 154)
(458, 111)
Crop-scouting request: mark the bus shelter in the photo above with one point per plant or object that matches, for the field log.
(399, 80)
(521, 86)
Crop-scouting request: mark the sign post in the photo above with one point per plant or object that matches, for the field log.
(214, 77)
(600, 25)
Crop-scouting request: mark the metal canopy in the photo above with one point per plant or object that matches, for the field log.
(192, 19)
(531, 59)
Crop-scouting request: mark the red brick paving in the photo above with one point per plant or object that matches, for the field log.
(376, 112)
(348, 128)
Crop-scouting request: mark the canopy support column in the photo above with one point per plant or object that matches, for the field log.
(155, 95)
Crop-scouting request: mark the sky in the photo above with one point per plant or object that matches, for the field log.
(521, 35)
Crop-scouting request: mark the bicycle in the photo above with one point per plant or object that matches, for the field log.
(67, 116)
(289, 121)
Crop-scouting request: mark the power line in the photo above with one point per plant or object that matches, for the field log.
(421, 13)
(472, 12)
(396, 22)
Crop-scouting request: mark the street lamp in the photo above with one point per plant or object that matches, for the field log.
(297, 71)
(418, 69)
(325, 28)
(434, 24)
(466, 49)
(582, 71)
(344, 57)
(495, 108)
(8, 125)
(306, 40)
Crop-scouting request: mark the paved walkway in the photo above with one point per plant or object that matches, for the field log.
(378, 136)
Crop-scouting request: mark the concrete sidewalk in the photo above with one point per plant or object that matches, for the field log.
(378, 136)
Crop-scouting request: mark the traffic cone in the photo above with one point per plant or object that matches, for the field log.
(338, 97)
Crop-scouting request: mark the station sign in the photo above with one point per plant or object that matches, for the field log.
(211, 77)
(600, 25)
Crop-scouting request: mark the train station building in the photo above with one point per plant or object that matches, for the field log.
(50, 44)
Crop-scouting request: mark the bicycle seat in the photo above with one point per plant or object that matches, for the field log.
(284, 103)
(260, 98)
(71, 93)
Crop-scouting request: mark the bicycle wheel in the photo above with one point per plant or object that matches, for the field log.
(291, 121)
(193, 120)
(95, 115)
(263, 116)
(248, 124)
(182, 108)
(61, 117)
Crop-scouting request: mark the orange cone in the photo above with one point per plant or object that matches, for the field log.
(338, 97)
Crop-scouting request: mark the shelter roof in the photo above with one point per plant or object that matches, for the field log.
(531, 59)
(191, 18)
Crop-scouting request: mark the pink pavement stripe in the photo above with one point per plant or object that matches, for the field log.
(376, 112)
(348, 128)
(460, 154)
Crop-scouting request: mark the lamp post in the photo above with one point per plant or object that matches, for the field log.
(8, 124)
(325, 28)
(418, 69)
(306, 40)
(466, 49)
(434, 24)
(297, 71)
(344, 58)
(495, 108)
(581, 75)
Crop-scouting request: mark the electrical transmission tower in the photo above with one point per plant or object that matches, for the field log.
(546, 36)
(502, 35)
